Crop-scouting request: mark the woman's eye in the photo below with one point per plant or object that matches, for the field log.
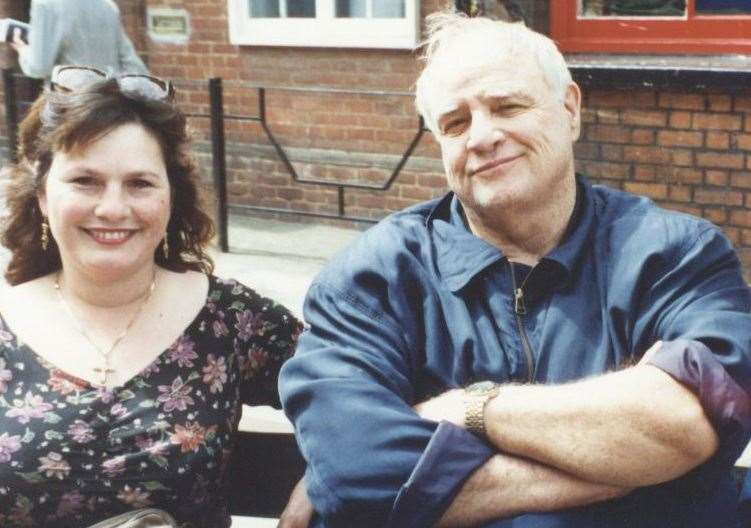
(141, 184)
(83, 181)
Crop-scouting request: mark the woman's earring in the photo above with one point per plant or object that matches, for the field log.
(45, 236)
(165, 248)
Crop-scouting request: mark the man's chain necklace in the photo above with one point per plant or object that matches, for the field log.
(106, 356)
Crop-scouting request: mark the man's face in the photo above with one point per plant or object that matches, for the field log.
(506, 138)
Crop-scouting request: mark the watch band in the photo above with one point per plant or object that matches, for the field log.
(477, 397)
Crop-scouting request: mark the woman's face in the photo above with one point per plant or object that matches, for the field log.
(108, 203)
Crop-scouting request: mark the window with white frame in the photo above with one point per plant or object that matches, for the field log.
(327, 23)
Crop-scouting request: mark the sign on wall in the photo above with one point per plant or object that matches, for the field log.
(168, 24)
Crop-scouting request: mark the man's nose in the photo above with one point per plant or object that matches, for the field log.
(113, 203)
(484, 133)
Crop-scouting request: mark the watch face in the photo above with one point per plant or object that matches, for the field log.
(480, 387)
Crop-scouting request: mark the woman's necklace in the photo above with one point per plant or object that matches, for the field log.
(106, 356)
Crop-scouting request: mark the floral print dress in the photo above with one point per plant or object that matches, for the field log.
(72, 454)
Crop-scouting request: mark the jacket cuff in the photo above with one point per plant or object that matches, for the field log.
(452, 454)
(727, 404)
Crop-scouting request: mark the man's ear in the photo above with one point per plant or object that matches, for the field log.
(572, 103)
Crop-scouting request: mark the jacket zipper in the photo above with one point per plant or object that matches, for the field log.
(519, 310)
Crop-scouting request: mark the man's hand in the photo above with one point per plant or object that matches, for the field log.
(449, 406)
(299, 510)
(18, 43)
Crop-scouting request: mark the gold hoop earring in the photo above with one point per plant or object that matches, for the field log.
(45, 236)
(165, 248)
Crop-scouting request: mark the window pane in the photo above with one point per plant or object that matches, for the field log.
(724, 7)
(263, 8)
(351, 8)
(301, 8)
(646, 8)
(388, 9)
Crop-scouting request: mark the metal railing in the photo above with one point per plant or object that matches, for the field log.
(14, 109)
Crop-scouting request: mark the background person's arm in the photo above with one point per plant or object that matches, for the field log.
(45, 38)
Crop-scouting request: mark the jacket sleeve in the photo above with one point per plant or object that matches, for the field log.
(372, 461)
(45, 40)
(702, 312)
(129, 60)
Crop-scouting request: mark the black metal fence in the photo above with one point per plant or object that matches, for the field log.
(20, 91)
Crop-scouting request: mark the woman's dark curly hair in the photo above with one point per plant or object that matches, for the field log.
(65, 122)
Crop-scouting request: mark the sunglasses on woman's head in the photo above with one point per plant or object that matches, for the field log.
(69, 79)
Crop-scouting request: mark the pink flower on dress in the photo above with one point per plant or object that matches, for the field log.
(54, 465)
(114, 466)
(8, 446)
(189, 438)
(30, 407)
(183, 351)
(105, 394)
(176, 395)
(5, 376)
(215, 373)
(70, 503)
(118, 410)
(248, 324)
(62, 383)
(81, 432)
(220, 328)
(134, 497)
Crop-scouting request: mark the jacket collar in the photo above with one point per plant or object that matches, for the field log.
(460, 255)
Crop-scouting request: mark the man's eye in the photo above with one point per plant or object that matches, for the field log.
(455, 126)
(508, 108)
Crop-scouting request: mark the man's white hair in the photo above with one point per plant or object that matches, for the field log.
(495, 39)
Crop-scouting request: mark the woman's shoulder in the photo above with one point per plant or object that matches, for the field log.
(26, 295)
(232, 295)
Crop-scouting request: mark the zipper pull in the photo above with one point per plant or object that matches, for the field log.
(519, 307)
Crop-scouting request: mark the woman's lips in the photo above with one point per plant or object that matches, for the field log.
(490, 165)
(110, 237)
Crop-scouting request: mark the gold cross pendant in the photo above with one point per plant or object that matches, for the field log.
(104, 372)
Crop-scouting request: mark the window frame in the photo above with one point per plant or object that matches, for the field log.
(697, 34)
(325, 30)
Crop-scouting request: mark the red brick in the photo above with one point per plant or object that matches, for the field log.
(686, 175)
(716, 121)
(588, 115)
(740, 179)
(612, 152)
(742, 103)
(716, 159)
(743, 141)
(608, 134)
(645, 154)
(608, 116)
(684, 208)
(606, 170)
(679, 193)
(746, 237)
(718, 140)
(733, 234)
(644, 117)
(748, 200)
(643, 136)
(739, 217)
(682, 157)
(716, 215)
(718, 197)
(716, 177)
(682, 101)
(586, 150)
(681, 119)
(719, 103)
(645, 172)
(683, 138)
(658, 191)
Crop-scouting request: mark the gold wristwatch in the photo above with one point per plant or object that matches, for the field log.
(476, 397)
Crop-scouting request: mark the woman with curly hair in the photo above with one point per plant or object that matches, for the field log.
(124, 362)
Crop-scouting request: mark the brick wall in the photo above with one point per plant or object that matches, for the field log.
(688, 149)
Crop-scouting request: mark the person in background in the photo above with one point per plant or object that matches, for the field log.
(530, 350)
(76, 32)
(124, 362)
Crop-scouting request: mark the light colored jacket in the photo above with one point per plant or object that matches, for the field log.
(82, 32)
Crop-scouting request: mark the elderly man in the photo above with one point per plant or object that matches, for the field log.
(530, 350)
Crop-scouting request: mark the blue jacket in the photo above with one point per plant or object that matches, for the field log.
(419, 305)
